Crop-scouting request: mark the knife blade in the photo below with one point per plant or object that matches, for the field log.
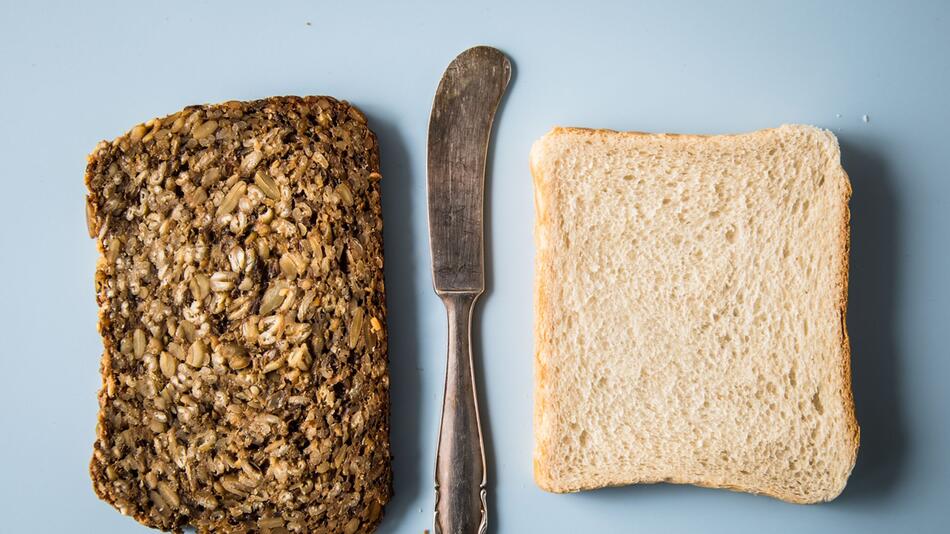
(459, 132)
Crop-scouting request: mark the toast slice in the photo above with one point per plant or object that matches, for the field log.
(690, 312)
(242, 313)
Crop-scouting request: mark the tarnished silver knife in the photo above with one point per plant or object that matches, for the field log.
(459, 131)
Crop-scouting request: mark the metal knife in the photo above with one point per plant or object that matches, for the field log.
(459, 131)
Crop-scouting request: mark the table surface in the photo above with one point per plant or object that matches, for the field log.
(875, 73)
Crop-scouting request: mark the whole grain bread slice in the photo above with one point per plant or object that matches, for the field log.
(690, 312)
(242, 313)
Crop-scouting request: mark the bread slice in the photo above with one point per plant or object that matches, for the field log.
(690, 312)
(242, 313)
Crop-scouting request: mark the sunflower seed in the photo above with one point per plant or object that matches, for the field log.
(250, 161)
(231, 199)
(197, 354)
(223, 281)
(200, 286)
(267, 185)
(138, 342)
(272, 299)
(300, 358)
(168, 364)
(204, 129)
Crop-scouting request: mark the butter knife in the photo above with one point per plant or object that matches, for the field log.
(459, 131)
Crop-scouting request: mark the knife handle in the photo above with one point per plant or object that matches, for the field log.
(460, 461)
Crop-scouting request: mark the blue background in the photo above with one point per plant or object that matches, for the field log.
(77, 72)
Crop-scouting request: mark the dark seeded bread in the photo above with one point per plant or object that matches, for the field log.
(242, 312)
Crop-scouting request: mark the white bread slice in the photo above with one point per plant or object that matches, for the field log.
(690, 312)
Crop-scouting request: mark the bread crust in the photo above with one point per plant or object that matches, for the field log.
(847, 393)
(545, 402)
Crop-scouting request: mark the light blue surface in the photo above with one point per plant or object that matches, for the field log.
(77, 72)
